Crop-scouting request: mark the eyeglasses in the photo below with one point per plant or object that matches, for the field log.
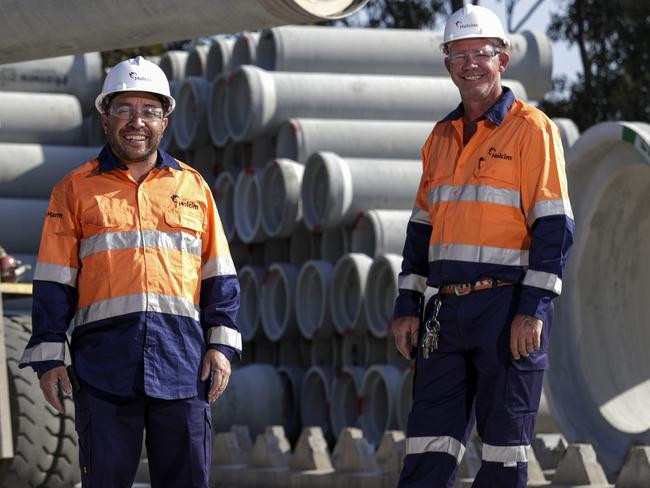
(127, 112)
(482, 55)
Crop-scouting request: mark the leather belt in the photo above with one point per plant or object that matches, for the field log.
(466, 288)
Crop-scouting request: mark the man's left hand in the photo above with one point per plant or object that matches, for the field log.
(215, 361)
(525, 335)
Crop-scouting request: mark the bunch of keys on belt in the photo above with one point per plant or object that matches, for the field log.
(432, 329)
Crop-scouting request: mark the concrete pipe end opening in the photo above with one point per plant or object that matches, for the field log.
(364, 235)
(381, 292)
(291, 378)
(348, 290)
(218, 60)
(379, 391)
(280, 196)
(405, 399)
(346, 391)
(196, 61)
(190, 124)
(312, 304)
(224, 195)
(217, 112)
(244, 52)
(315, 399)
(599, 381)
(250, 102)
(173, 64)
(290, 141)
(326, 190)
(247, 207)
(248, 317)
(266, 50)
(328, 10)
(278, 312)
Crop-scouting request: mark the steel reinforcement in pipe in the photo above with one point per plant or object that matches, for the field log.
(248, 316)
(312, 299)
(248, 214)
(315, 398)
(245, 49)
(277, 306)
(74, 26)
(336, 190)
(379, 393)
(392, 51)
(346, 390)
(380, 232)
(31, 170)
(258, 101)
(219, 58)
(281, 204)
(191, 123)
(381, 292)
(347, 293)
(197, 61)
(39, 118)
(399, 139)
(598, 385)
(79, 75)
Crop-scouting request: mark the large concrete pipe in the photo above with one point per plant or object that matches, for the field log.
(392, 52)
(379, 393)
(40, 118)
(405, 399)
(205, 159)
(277, 304)
(400, 139)
(173, 64)
(292, 378)
(381, 292)
(347, 291)
(281, 204)
(197, 61)
(334, 243)
(303, 245)
(380, 232)
(248, 317)
(264, 351)
(346, 390)
(168, 141)
(31, 170)
(248, 388)
(315, 399)
(92, 132)
(219, 58)
(361, 349)
(391, 355)
(569, 132)
(224, 196)
(258, 101)
(191, 122)
(598, 384)
(336, 190)
(312, 299)
(248, 214)
(245, 49)
(80, 75)
(217, 112)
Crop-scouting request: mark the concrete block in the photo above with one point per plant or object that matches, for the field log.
(353, 454)
(222, 476)
(535, 474)
(243, 437)
(579, 467)
(471, 462)
(391, 452)
(271, 449)
(635, 472)
(311, 451)
(226, 450)
(549, 449)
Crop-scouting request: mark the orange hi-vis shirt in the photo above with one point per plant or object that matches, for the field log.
(140, 275)
(496, 207)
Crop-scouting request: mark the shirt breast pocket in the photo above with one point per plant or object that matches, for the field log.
(189, 222)
(501, 170)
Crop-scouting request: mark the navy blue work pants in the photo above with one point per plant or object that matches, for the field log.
(473, 374)
(110, 430)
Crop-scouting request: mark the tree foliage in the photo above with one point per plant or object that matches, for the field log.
(613, 39)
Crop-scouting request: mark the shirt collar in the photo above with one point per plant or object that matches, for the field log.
(496, 113)
(108, 161)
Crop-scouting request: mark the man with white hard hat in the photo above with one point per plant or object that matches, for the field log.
(491, 230)
(134, 263)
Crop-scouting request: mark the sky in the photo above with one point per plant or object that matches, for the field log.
(566, 59)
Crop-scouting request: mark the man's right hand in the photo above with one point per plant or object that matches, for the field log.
(50, 382)
(405, 330)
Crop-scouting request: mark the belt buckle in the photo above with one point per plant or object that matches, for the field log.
(459, 293)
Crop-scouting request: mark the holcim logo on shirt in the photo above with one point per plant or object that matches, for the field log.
(137, 77)
(498, 155)
(460, 25)
(184, 203)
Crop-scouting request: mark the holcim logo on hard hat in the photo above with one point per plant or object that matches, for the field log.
(460, 25)
(135, 76)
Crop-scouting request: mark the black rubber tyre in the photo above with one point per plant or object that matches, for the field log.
(45, 442)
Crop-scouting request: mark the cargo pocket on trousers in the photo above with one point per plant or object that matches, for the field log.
(524, 380)
(82, 426)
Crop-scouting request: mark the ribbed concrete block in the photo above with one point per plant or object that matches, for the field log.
(311, 451)
(380, 232)
(259, 101)
(245, 49)
(173, 64)
(379, 392)
(197, 61)
(347, 292)
(346, 391)
(191, 123)
(312, 299)
(549, 449)
(535, 474)
(228, 459)
(248, 317)
(277, 305)
(381, 292)
(299, 138)
(315, 398)
(353, 454)
(281, 204)
(579, 466)
(635, 472)
(391, 451)
(271, 449)
(392, 51)
(219, 56)
(243, 434)
(336, 190)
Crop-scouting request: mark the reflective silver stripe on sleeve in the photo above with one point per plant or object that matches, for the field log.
(475, 193)
(420, 216)
(45, 351)
(478, 254)
(130, 239)
(225, 336)
(508, 455)
(444, 444)
(146, 302)
(56, 273)
(412, 282)
(546, 208)
(546, 281)
(218, 267)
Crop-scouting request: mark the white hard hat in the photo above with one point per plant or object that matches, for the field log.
(473, 21)
(136, 74)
